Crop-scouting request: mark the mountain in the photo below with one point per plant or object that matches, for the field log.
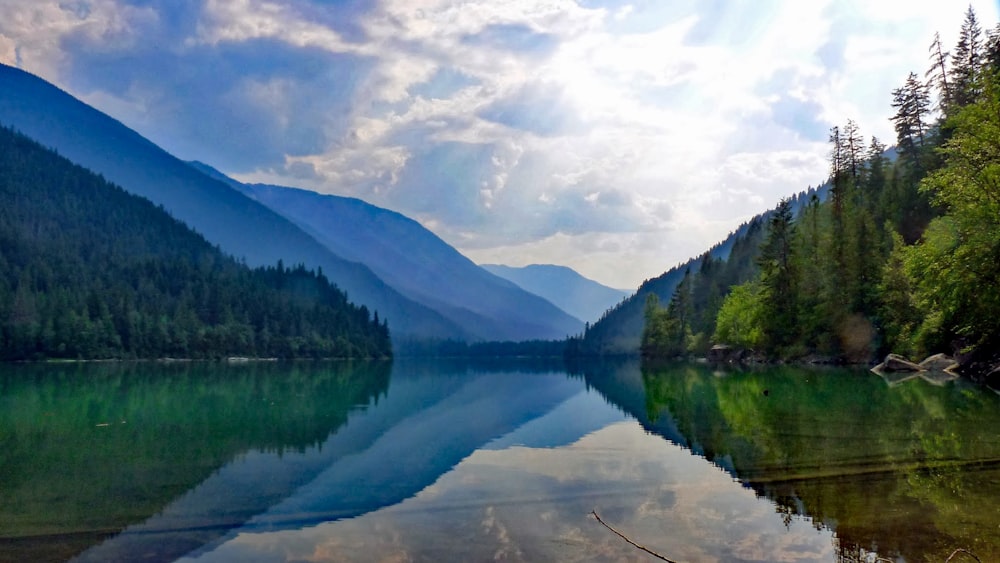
(619, 330)
(416, 262)
(236, 223)
(88, 270)
(579, 296)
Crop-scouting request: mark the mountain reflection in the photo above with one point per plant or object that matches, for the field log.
(449, 460)
(88, 449)
(909, 471)
(256, 448)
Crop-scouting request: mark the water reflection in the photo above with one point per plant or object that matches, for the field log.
(911, 471)
(532, 504)
(87, 449)
(450, 461)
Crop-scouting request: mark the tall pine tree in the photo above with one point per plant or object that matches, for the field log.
(967, 61)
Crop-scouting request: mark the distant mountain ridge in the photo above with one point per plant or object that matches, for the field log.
(241, 226)
(581, 297)
(416, 262)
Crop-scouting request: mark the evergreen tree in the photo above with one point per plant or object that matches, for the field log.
(838, 169)
(967, 61)
(912, 104)
(991, 58)
(779, 280)
(853, 150)
(667, 332)
(814, 267)
(911, 210)
(937, 74)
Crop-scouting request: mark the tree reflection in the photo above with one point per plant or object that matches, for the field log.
(88, 449)
(909, 471)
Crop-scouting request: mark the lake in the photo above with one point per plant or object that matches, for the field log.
(457, 461)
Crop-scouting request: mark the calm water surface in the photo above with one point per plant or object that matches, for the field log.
(458, 462)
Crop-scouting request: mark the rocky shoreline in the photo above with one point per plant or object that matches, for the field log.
(981, 365)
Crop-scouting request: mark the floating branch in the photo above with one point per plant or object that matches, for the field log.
(624, 537)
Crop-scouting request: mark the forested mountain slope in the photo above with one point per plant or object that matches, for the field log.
(619, 330)
(733, 261)
(90, 271)
(241, 226)
(416, 262)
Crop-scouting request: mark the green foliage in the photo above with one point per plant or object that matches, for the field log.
(89, 271)
(741, 317)
(897, 308)
(957, 266)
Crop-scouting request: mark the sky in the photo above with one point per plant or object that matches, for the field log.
(616, 137)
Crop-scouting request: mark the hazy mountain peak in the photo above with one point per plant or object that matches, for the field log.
(579, 296)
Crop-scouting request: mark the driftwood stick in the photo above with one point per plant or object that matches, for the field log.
(963, 551)
(624, 537)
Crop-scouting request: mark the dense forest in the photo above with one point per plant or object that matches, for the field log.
(89, 271)
(732, 262)
(902, 253)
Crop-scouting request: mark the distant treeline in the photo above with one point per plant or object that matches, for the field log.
(462, 349)
(89, 271)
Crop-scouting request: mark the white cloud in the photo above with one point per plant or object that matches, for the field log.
(31, 32)
(242, 20)
(494, 122)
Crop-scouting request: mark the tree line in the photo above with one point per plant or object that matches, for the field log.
(88, 271)
(903, 252)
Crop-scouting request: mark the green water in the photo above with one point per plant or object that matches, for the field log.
(87, 449)
(452, 461)
(910, 470)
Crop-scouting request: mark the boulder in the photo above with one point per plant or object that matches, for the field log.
(895, 362)
(939, 362)
(721, 353)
